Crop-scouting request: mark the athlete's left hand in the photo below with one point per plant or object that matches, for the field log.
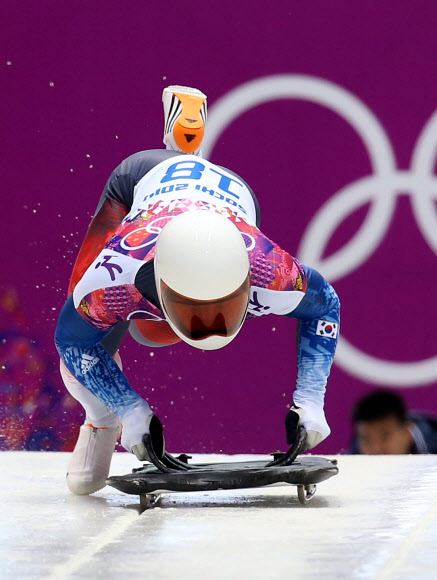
(312, 417)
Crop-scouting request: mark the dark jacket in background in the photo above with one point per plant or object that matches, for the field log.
(423, 430)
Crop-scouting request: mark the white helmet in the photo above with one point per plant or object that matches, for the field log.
(202, 275)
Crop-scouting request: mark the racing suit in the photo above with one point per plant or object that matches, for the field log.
(112, 288)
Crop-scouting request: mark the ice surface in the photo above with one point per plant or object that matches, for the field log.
(377, 519)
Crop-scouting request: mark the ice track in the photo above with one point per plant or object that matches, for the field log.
(377, 519)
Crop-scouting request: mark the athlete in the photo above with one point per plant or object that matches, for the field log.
(174, 253)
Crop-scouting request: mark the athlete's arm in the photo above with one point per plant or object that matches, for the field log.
(318, 328)
(79, 345)
(315, 346)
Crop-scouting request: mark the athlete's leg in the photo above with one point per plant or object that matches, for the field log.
(91, 459)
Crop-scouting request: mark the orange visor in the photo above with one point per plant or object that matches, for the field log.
(198, 319)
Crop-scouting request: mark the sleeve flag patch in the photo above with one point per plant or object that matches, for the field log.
(327, 329)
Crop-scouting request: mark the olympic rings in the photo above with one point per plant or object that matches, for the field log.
(381, 189)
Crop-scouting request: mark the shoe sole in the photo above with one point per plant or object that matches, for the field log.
(186, 120)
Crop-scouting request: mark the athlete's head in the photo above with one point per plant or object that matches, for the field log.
(202, 276)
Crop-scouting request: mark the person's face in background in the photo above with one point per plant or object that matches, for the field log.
(387, 436)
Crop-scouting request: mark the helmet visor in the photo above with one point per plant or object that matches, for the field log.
(198, 319)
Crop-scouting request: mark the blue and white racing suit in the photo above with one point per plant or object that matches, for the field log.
(113, 286)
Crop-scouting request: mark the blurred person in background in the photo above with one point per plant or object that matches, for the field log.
(384, 426)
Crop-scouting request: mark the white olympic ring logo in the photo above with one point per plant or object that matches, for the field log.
(381, 188)
(250, 243)
(150, 228)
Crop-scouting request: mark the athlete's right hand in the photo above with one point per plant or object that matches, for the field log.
(138, 422)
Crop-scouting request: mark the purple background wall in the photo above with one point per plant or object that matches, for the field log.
(81, 87)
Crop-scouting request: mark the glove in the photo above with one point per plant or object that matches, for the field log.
(138, 422)
(311, 416)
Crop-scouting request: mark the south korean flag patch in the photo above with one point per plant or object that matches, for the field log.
(327, 329)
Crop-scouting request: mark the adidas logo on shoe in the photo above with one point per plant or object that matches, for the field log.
(87, 362)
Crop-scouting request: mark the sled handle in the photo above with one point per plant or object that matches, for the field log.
(166, 464)
(297, 447)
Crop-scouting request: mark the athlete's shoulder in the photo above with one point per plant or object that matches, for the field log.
(272, 267)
